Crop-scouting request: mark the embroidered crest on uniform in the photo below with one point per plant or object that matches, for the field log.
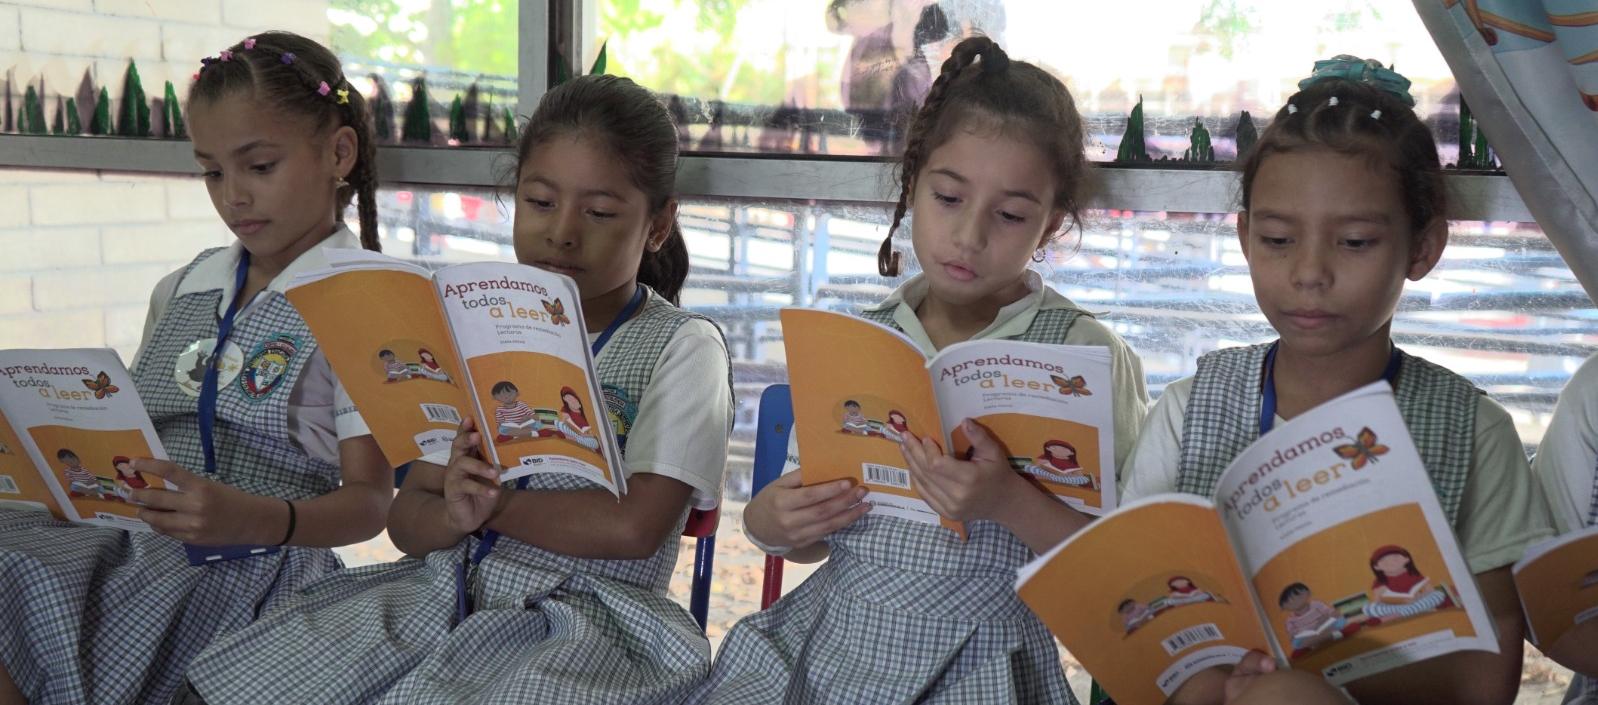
(101, 386)
(189, 371)
(622, 412)
(267, 365)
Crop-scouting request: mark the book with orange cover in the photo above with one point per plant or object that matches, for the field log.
(1324, 545)
(501, 342)
(70, 425)
(859, 386)
(1558, 584)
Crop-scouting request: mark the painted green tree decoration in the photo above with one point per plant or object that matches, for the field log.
(31, 121)
(457, 122)
(1133, 148)
(59, 125)
(418, 125)
(1246, 135)
(134, 118)
(172, 115)
(1199, 148)
(382, 110)
(101, 123)
(510, 131)
(1474, 152)
(74, 123)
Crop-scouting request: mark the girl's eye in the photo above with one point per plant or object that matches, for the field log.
(540, 203)
(1358, 243)
(601, 214)
(263, 168)
(1273, 241)
(212, 174)
(949, 200)
(1011, 217)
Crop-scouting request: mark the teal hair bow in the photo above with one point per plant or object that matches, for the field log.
(1367, 71)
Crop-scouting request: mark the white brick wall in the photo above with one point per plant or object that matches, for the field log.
(195, 11)
(82, 34)
(100, 203)
(10, 29)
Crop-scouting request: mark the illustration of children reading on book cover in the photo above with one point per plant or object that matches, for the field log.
(853, 421)
(127, 479)
(80, 482)
(516, 420)
(1400, 590)
(1181, 591)
(1057, 463)
(1312, 623)
(897, 426)
(397, 370)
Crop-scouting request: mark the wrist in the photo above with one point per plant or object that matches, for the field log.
(270, 521)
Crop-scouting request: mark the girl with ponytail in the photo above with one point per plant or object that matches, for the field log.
(905, 611)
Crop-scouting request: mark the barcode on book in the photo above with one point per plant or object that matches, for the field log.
(1190, 637)
(886, 476)
(441, 413)
(8, 485)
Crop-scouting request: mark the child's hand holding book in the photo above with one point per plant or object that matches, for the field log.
(471, 486)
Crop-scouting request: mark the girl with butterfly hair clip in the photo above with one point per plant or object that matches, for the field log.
(904, 611)
(273, 464)
(1567, 466)
(550, 589)
(1342, 201)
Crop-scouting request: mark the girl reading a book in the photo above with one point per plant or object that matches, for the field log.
(573, 422)
(547, 589)
(284, 144)
(1057, 463)
(1184, 592)
(430, 367)
(1567, 465)
(902, 611)
(1342, 201)
(897, 426)
(1400, 590)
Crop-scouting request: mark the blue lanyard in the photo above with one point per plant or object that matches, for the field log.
(1268, 391)
(491, 537)
(208, 388)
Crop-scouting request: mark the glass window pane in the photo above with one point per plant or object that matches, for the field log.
(839, 76)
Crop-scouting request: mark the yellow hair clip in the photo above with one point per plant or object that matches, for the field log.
(343, 96)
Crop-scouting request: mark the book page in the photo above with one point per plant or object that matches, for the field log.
(22, 485)
(1336, 521)
(379, 323)
(1049, 405)
(77, 414)
(856, 385)
(537, 400)
(1560, 576)
(1147, 597)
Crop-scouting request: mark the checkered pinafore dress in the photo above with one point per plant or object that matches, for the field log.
(901, 612)
(544, 627)
(1438, 406)
(97, 615)
(1584, 689)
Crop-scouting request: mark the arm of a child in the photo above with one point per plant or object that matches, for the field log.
(592, 523)
(417, 521)
(357, 510)
(786, 513)
(1464, 678)
(1577, 650)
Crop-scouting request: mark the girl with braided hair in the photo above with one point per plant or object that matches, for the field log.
(993, 170)
(274, 465)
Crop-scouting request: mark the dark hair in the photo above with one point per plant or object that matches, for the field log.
(1125, 604)
(286, 70)
(65, 453)
(851, 402)
(1014, 96)
(1290, 591)
(503, 387)
(1385, 551)
(1394, 138)
(381, 353)
(635, 127)
(1060, 444)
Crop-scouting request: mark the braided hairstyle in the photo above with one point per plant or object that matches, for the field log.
(979, 84)
(635, 127)
(287, 71)
(1358, 118)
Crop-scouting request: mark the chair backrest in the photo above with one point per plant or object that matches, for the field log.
(774, 423)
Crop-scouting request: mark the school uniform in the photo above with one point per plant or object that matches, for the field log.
(1567, 466)
(107, 616)
(540, 626)
(908, 612)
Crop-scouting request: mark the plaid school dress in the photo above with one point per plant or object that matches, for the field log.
(901, 612)
(543, 627)
(97, 615)
(1584, 689)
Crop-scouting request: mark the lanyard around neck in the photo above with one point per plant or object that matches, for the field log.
(208, 388)
(1268, 387)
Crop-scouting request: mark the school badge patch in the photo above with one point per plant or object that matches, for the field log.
(265, 368)
(622, 411)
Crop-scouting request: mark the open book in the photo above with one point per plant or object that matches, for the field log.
(1561, 577)
(1325, 545)
(70, 423)
(502, 342)
(858, 386)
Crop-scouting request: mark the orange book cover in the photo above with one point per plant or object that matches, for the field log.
(858, 387)
(1562, 573)
(500, 342)
(1324, 545)
(71, 424)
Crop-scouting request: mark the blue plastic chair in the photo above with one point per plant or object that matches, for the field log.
(774, 423)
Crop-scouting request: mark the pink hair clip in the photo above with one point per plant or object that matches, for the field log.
(249, 43)
(288, 57)
(323, 88)
(196, 76)
(226, 55)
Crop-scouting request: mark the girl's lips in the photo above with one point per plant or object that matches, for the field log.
(248, 227)
(558, 267)
(958, 272)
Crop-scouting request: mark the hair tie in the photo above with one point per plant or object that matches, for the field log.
(1291, 109)
(994, 59)
(287, 57)
(1332, 102)
(1376, 114)
(343, 96)
(249, 43)
(226, 55)
(1367, 71)
(323, 89)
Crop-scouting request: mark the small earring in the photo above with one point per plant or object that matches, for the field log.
(1038, 255)
(342, 182)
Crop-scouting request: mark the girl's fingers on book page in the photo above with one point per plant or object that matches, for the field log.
(477, 468)
(162, 500)
(803, 497)
(849, 516)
